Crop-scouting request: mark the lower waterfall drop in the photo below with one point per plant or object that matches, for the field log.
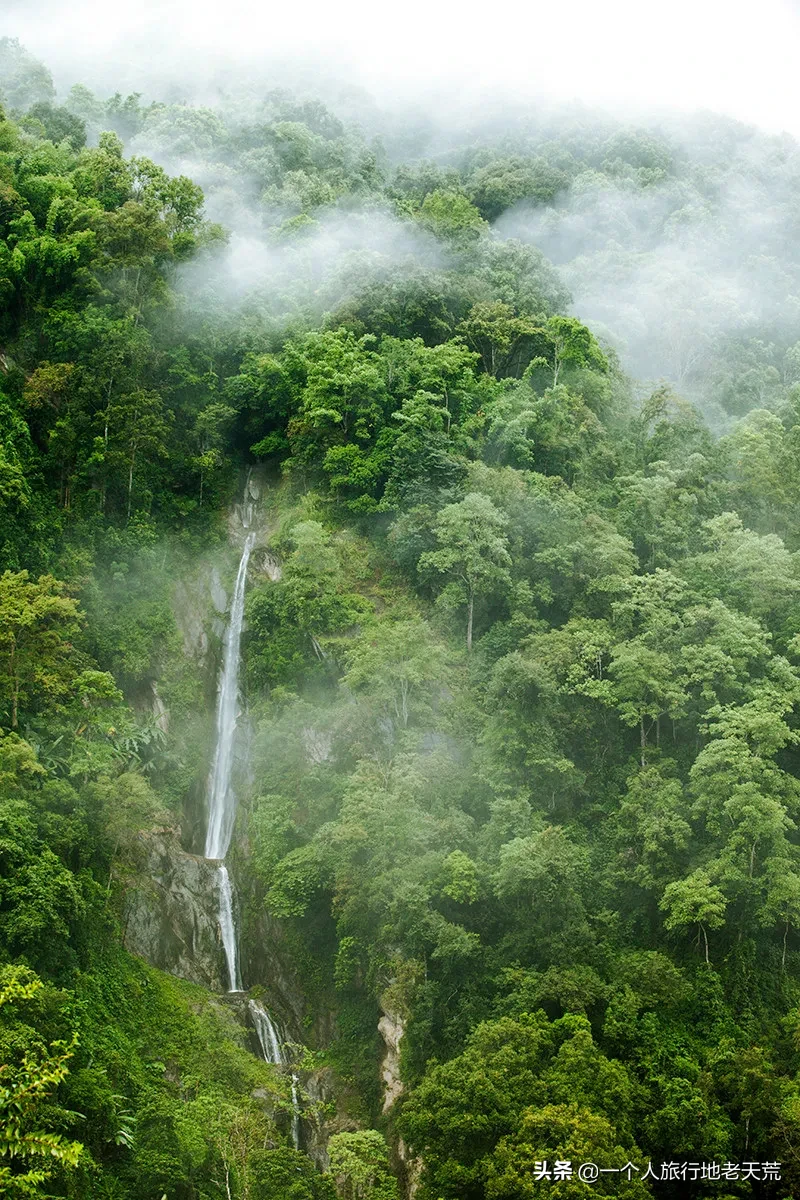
(228, 929)
(295, 1111)
(267, 1033)
(272, 1049)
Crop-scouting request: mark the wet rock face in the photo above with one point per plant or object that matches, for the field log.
(409, 1169)
(159, 709)
(269, 968)
(326, 1114)
(194, 604)
(317, 744)
(219, 597)
(170, 913)
(269, 566)
(391, 1029)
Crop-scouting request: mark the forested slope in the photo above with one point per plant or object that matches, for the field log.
(525, 769)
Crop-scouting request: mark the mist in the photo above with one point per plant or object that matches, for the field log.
(302, 278)
(399, 599)
(622, 55)
(664, 270)
(667, 273)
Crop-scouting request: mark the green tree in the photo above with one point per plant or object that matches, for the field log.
(284, 1174)
(59, 123)
(212, 428)
(573, 345)
(341, 394)
(140, 423)
(545, 876)
(397, 666)
(654, 832)
(26, 81)
(451, 215)
(505, 341)
(694, 901)
(359, 1162)
(25, 1099)
(37, 620)
(563, 1133)
(466, 1116)
(472, 551)
(287, 617)
(505, 181)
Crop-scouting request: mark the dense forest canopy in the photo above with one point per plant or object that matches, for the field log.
(524, 763)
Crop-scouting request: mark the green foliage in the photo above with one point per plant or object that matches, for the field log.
(37, 619)
(25, 1086)
(359, 1163)
(285, 1174)
(290, 618)
(59, 123)
(451, 215)
(25, 80)
(505, 181)
(567, 863)
(396, 668)
(478, 1118)
(472, 552)
(561, 1133)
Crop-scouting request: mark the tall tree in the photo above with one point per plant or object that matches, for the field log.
(26, 1089)
(37, 621)
(473, 551)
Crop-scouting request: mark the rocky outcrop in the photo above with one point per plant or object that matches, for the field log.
(409, 1170)
(317, 744)
(170, 918)
(170, 912)
(159, 709)
(391, 1028)
(269, 566)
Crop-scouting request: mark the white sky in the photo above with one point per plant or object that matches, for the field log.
(736, 56)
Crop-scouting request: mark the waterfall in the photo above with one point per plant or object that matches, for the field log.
(222, 811)
(272, 1049)
(295, 1112)
(222, 802)
(267, 1034)
(228, 928)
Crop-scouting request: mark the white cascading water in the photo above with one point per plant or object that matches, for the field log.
(272, 1049)
(222, 811)
(295, 1111)
(222, 802)
(228, 929)
(267, 1034)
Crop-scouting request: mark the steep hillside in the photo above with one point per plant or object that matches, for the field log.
(508, 867)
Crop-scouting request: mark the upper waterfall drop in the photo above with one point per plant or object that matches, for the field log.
(222, 802)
